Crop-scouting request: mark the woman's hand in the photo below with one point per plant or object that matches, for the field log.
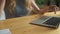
(42, 10)
(53, 8)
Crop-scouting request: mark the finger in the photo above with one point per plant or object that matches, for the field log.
(54, 12)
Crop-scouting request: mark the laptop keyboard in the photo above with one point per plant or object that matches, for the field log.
(41, 20)
(48, 21)
(53, 21)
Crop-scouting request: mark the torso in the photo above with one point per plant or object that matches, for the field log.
(20, 8)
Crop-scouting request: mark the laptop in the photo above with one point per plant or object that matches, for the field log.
(47, 21)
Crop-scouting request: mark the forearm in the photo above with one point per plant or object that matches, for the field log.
(35, 7)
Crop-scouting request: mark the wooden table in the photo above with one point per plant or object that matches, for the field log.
(21, 25)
